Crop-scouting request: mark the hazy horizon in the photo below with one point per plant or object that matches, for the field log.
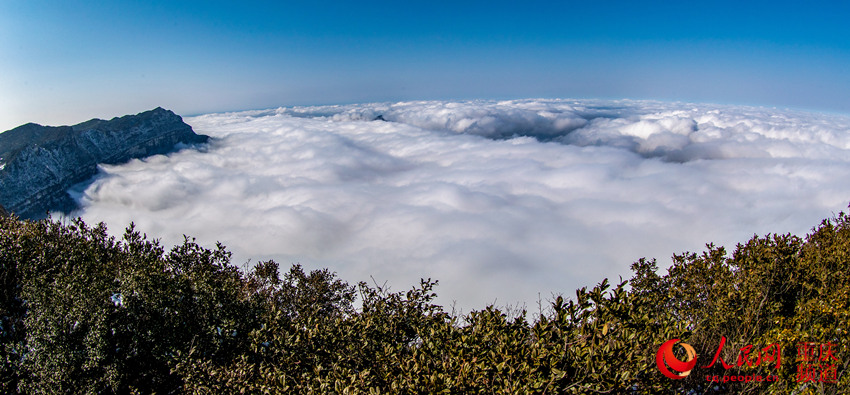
(67, 62)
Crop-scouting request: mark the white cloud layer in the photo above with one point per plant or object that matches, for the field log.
(503, 202)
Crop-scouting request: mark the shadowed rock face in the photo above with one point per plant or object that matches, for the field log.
(39, 163)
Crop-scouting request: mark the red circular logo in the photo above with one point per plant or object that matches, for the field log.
(665, 354)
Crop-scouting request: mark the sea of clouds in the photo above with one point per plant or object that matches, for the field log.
(503, 202)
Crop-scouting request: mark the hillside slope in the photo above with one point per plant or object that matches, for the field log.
(39, 163)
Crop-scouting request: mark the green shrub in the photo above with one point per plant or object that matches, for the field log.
(83, 312)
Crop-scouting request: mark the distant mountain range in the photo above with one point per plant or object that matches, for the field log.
(38, 164)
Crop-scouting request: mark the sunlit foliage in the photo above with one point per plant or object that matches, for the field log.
(83, 312)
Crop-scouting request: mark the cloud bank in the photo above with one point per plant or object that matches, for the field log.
(503, 202)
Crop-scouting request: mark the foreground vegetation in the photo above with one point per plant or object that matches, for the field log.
(86, 313)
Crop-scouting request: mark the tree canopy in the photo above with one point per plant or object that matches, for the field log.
(83, 312)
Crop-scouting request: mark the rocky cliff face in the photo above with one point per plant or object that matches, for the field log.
(39, 163)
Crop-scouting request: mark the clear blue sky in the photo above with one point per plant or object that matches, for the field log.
(68, 61)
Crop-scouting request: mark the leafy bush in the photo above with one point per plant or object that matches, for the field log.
(83, 312)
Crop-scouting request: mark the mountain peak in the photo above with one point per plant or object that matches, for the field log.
(39, 163)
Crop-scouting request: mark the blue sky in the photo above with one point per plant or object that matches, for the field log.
(67, 61)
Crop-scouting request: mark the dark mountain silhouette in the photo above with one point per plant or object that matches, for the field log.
(39, 163)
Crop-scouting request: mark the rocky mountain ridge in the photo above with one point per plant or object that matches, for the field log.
(39, 163)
